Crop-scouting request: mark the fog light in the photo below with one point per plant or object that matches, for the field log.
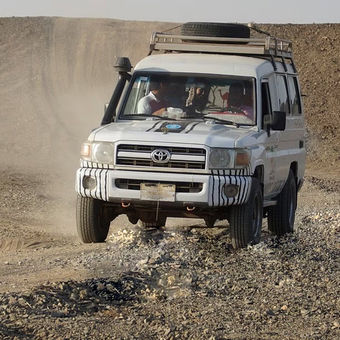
(231, 190)
(89, 182)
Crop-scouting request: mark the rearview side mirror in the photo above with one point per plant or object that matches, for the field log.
(278, 121)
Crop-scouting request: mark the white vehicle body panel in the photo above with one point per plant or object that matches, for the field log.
(203, 64)
(275, 152)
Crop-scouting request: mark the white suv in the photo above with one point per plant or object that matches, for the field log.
(210, 127)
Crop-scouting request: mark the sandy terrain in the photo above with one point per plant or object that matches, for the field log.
(183, 283)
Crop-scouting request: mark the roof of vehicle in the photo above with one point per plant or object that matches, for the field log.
(205, 63)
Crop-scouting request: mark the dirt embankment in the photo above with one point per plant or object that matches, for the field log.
(317, 56)
(56, 75)
(184, 282)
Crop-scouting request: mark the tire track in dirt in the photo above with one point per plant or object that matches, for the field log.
(13, 245)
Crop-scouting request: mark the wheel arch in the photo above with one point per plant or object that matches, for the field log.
(259, 174)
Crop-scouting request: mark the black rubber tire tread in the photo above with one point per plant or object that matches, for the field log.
(91, 226)
(241, 217)
(214, 29)
(278, 215)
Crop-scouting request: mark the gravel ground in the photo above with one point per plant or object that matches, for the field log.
(184, 282)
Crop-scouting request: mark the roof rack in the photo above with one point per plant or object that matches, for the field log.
(269, 46)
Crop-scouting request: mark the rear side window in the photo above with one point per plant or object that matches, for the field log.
(282, 93)
(294, 95)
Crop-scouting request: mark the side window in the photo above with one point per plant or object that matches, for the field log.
(140, 88)
(294, 95)
(266, 104)
(282, 94)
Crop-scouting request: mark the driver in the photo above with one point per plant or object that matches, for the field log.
(154, 103)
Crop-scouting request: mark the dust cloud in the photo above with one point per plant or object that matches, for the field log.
(56, 75)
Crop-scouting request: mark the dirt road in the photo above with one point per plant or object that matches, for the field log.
(184, 282)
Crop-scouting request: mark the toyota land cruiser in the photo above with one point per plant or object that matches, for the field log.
(210, 125)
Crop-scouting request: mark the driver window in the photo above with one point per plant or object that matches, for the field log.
(139, 89)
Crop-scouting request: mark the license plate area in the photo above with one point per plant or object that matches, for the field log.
(158, 192)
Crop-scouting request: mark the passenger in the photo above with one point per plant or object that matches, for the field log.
(198, 98)
(154, 103)
(240, 99)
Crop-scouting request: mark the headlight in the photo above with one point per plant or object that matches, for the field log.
(101, 152)
(220, 159)
(229, 158)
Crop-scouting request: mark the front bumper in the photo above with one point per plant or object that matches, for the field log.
(211, 193)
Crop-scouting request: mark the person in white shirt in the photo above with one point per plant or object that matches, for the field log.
(154, 103)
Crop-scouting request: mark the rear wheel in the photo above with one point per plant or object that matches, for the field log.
(92, 223)
(246, 220)
(281, 217)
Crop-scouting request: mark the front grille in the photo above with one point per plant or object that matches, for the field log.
(134, 184)
(178, 165)
(181, 157)
(153, 147)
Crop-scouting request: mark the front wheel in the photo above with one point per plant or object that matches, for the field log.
(92, 223)
(281, 217)
(246, 220)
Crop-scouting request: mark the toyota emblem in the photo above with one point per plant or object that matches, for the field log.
(160, 156)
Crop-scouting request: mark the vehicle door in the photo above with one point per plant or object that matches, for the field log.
(294, 137)
(287, 140)
(269, 100)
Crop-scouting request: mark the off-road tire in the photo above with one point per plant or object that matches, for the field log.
(246, 220)
(281, 217)
(220, 30)
(92, 225)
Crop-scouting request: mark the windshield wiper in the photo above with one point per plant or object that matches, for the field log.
(219, 120)
(142, 115)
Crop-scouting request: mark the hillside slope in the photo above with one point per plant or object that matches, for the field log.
(317, 56)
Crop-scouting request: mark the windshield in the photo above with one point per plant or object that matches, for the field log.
(157, 96)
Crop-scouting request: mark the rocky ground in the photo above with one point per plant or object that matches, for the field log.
(183, 282)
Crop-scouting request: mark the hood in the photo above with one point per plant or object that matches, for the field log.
(182, 132)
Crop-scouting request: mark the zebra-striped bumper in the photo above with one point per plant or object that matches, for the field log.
(211, 187)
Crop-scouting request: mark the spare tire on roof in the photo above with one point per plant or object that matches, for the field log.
(215, 29)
